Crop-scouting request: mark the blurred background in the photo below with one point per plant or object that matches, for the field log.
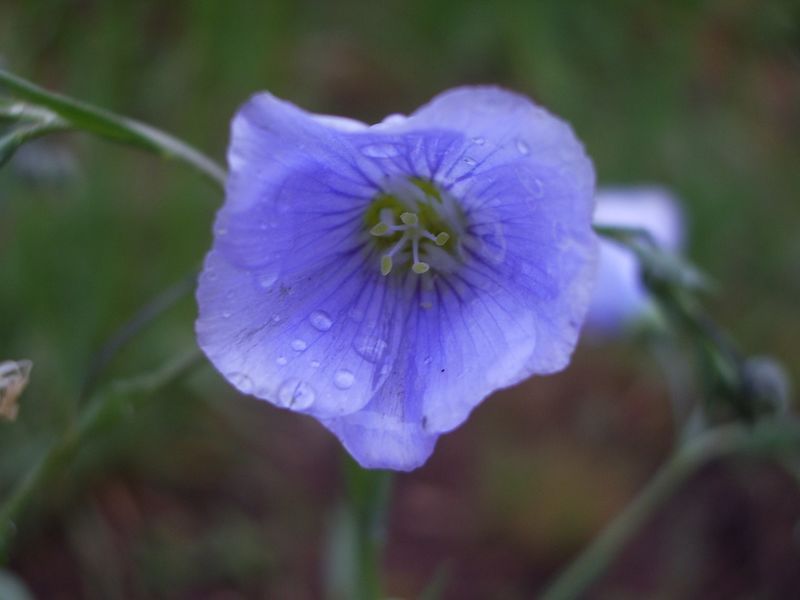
(199, 493)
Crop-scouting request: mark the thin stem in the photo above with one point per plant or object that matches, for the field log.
(13, 140)
(114, 127)
(368, 496)
(102, 406)
(770, 440)
(143, 317)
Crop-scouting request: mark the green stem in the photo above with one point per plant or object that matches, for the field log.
(12, 141)
(764, 440)
(368, 495)
(102, 406)
(114, 127)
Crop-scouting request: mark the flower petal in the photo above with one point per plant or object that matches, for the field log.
(620, 296)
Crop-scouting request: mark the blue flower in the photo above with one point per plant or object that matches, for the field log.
(619, 296)
(385, 279)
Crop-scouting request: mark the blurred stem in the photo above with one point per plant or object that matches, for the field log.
(133, 326)
(674, 285)
(104, 406)
(774, 440)
(83, 116)
(368, 497)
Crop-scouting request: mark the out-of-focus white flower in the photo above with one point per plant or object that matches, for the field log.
(14, 375)
(620, 296)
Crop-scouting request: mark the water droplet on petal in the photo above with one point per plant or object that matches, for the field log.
(380, 150)
(267, 280)
(523, 147)
(315, 364)
(343, 379)
(321, 320)
(295, 393)
(241, 382)
(222, 231)
(470, 161)
(370, 348)
(534, 186)
(299, 345)
(226, 314)
(478, 141)
(281, 360)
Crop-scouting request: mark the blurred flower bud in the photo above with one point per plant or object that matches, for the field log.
(14, 377)
(767, 384)
(44, 162)
(620, 296)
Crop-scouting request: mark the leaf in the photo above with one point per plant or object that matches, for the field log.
(83, 116)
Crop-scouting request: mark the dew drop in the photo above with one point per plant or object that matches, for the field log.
(535, 187)
(321, 320)
(281, 360)
(470, 161)
(380, 150)
(343, 379)
(295, 393)
(226, 314)
(370, 348)
(222, 231)
(478, 141)
(267, 280)
(241, 382)
(299, 345)
(315, 364)
(523, 147)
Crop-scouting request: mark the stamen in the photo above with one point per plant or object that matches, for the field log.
(386, 265)
(409, 218)
(408, 226)
(420, 267)
(379, 229)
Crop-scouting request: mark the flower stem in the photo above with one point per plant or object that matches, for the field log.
(103, 406)
(770, 440)
(83, 116)
(368, 495)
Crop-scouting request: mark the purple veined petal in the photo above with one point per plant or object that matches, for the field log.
(293, 306)
(619, 296)
(318, 344)
(498, 127)
(388, 432)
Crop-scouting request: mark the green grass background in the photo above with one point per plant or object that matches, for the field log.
(702, 97)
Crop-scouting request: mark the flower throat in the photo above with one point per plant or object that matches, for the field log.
(415, 225)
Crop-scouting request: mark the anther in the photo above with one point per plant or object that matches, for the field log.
(379, 229)
(409, 219)
(420, 267)
(442, 238)
(386, 265)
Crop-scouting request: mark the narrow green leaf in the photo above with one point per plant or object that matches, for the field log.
(111, 126)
